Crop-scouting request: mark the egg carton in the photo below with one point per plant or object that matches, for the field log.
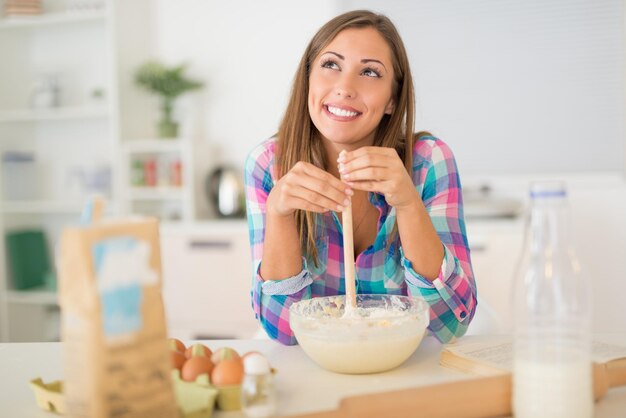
(201, 395)
(195, 399)
(49, 396)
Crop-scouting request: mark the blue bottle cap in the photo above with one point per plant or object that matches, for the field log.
(547, 189)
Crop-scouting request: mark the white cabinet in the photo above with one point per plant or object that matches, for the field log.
(599, 233)
(207, 280)
(85, 139)
(598, 222)
(57, 91)
(495, 247)
(81, 63)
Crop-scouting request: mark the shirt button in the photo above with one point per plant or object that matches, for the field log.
(463, 314)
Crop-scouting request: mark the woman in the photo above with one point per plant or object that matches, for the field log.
(347, 134)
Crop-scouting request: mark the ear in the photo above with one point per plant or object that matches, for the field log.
(390, 107)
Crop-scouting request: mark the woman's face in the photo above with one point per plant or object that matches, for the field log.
(350, 88)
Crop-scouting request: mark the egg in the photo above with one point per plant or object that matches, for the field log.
(198, 350)
(227, 372)
(194, 367)
(256, 364)
(224, 353)
(248, 353)
(177, 359)
(176, 345)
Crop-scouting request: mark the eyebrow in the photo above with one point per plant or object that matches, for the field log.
(364, 60)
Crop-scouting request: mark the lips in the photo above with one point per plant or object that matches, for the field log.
(341, 113)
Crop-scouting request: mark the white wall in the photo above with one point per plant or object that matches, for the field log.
(518, 86)
(247, 53)
(513, 86)
(598, 232)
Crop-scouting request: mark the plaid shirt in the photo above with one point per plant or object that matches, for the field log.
(381, 268)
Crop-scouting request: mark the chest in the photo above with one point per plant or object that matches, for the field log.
(377, 271)
(364, 225)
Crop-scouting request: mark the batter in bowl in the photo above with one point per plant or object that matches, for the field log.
(393, 325)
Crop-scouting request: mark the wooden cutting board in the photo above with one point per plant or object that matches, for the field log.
(474, 398)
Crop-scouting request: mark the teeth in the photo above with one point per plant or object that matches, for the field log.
(341, 112)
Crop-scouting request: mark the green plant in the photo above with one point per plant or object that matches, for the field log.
(169, 83)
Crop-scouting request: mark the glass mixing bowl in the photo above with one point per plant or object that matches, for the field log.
(381, 334)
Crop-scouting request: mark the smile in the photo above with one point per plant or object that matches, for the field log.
(340, 113)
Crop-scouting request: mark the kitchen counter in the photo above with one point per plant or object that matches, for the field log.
(302, 386)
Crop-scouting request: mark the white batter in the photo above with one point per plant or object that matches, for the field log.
(358, 357)
(364, 340)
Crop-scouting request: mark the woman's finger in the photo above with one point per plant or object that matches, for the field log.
(325, 189)
(316, 172)
(367, 186)
(370, 161)
(313, 178)
(360, 152)
(365, 160)
(368, 173)
(314, 197)
(308, 206)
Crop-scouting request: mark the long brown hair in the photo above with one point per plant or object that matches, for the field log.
(297, 137)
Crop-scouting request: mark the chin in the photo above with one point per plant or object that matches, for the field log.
(341, 138)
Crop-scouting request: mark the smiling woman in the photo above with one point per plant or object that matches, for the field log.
(349, 82)
(347, 141)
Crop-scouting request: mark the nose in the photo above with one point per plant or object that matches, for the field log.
(345, 87)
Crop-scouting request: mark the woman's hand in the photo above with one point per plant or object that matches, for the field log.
(310, 188)
(380, 170)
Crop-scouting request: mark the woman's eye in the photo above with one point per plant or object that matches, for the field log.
(330, 64)
(370, 72)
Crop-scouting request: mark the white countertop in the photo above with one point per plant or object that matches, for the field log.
(302, 386)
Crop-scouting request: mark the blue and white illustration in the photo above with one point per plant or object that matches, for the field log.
(122, 267)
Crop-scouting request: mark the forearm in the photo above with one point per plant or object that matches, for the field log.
(420, 242)
(282, 256)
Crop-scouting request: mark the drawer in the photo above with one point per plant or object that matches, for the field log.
(206, 284)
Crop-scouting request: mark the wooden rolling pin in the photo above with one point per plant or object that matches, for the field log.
(474, 398)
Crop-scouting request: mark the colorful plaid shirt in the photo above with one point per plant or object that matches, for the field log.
(382, 267)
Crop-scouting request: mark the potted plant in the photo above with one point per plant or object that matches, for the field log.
(169, 83)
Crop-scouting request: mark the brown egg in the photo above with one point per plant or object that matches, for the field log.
(176, 345)
(227, 372)
(194, 367)
(198, 349)
(177, 359)
(224, 353)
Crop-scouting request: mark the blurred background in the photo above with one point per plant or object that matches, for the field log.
(155, 104)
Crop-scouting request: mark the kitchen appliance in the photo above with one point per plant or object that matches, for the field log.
(224, 188)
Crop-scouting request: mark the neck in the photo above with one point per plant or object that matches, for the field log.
(360, 195)
(332, 150)
(331, 156)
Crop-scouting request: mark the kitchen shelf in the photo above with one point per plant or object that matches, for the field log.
(36, 296)
(45, 207)
(208, 226)
(86, 50)
(159, 178)
(154, 146)
(155, 193)
(60, 113)
(51, 19)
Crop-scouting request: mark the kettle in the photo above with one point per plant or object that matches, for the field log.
(224, 188)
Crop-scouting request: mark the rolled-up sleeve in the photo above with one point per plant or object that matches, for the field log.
(270, 299)
(452, 295)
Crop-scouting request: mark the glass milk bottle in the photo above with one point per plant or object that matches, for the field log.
(552, 374)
